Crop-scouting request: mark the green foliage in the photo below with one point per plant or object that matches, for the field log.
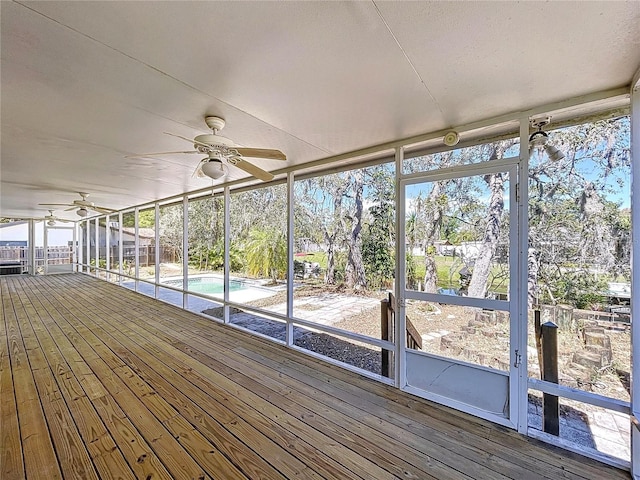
(378, 247)
(412, 272)
(102, 263)
(579, 288)
(215, 257)
(266, 253)
(146, 219)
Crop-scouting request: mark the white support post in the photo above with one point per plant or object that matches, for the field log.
(74, 253)
(96, 272)
(46, 248)
(107, 245)
(31, 252)
(519, 297)
(87, 224)
(635, 275)
(227, 267)
(400, 373)
(137, 246)
(120, 248)
(157, 250)
(185, 251)
(290, 253)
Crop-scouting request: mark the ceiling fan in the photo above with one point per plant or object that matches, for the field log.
(51, 219)
(221, 150)
(83, 206)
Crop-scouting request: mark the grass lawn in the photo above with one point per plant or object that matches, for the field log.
(448, 269)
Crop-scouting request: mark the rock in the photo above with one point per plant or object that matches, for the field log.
(597, 340)
(605, 354)
(488, 332)
(452, 342)
(469, 353)
(487, 317)
(588, 359)
(599, 343)
(469, 329)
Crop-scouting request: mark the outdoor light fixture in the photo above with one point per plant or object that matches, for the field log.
(213, 168)
(541, 139)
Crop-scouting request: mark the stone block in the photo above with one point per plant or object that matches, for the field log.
(588, 359)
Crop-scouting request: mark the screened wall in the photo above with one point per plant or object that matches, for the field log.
(431, 270)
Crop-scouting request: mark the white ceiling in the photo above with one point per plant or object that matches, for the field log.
(86, 83)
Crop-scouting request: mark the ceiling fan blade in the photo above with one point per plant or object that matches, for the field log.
(102, 209)
(190, 140)
(253, 170)
(157, 154)
(56, 204)
(72, 208)
(261, 153)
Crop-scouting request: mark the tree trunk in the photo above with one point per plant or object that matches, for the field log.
(433, 213)
(482, 266)
(330, 275)
(355, 274)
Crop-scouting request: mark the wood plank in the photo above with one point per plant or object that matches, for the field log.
(136, 445)
(38, 452)
(73, 457)
(208, 384)
(257, 395)
(265, 408)
(11, 461)
(290, 466)
(349, 372)
(106, 457)
(369, 447)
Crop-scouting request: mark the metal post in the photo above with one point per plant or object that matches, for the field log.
(107, 246)
(635, 273)
(96, 250)
(400, 341)
(518, 298)
(185, 251)
(46, 248)
(120, 248)
(156, 259)
(136, 214)
(551, 404)
(290, 253)
(384, 335)
(227, 246)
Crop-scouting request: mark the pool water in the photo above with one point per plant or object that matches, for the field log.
(208, 285)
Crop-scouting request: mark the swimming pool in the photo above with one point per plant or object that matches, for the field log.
(208, 285)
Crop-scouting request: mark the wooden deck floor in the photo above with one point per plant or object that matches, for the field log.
(100, 382)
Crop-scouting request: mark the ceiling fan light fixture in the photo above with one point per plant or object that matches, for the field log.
(82, 212)
(213, 168)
